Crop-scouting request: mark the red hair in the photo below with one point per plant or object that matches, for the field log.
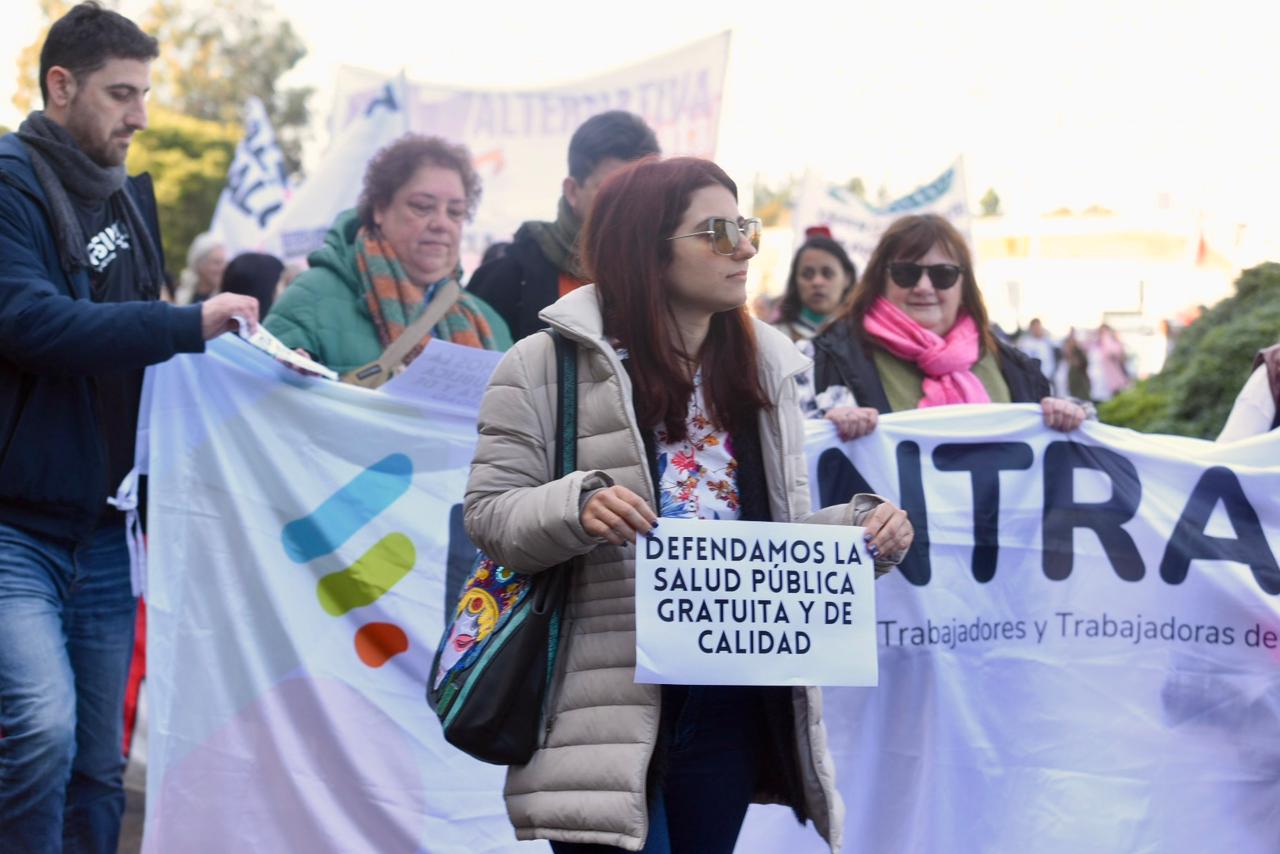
(626, 252)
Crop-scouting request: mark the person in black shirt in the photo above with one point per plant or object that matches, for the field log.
(254, 274)
(80, 276)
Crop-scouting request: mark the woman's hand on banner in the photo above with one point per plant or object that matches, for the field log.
(1063, 415)
(853, 422)
(617, 515)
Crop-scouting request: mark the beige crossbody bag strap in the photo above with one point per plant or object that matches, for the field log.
(381, 369)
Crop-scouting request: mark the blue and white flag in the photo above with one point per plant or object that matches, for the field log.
(858, 225)
(257, 185)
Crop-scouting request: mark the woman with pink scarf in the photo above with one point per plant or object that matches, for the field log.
(914, 333)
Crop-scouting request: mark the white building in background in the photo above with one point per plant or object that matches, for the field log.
(1081, 269)
(1134, 272)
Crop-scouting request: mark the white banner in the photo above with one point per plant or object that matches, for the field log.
(257, 187)
(519, 140)
(858, 226)
(1080, 654)
(750, 603)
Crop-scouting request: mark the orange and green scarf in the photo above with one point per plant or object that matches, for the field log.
(395, 302)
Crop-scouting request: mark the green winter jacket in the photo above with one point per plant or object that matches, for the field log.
(324, 313)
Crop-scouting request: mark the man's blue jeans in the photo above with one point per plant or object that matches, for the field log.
(66, 634)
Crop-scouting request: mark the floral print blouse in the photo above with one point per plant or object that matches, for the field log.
(697, 476)
(818, 404)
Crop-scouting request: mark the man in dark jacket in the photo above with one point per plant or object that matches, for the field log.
(80, 272)
(542, 263)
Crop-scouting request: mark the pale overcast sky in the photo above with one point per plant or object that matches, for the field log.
(1052, 103)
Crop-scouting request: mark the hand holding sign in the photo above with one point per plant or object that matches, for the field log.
(617, 515)
(755, 603)
(889, 533)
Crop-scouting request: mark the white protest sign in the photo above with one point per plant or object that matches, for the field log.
(754, 603)
(446, 374)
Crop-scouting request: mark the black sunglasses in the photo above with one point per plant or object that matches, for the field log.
(906, 274)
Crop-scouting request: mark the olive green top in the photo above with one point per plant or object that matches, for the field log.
(904, 382)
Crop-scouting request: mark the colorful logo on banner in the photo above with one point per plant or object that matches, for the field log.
(364, 582)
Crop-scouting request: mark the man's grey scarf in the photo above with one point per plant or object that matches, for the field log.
(64, 170)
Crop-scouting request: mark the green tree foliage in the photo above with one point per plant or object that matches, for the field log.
(26, 94)
(213, 58)
(188, 160)
(990, 203)
(1210, 363)
(772, 202)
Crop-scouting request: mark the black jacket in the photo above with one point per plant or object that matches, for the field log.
(1270, 357)
(518, 285)
(839, 358)
(53, 339)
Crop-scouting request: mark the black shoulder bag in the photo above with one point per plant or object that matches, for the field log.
(491, 677)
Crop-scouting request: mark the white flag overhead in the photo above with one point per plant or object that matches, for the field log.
(257, 186)
(1081, 653)
(335, 184)
(858, 225)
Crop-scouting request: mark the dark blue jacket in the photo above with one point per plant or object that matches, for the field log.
(53, 339)
(518, 285)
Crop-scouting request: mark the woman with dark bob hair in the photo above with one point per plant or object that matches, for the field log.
(382, 262)
(915, 334)
(821, 277)
(688, 405)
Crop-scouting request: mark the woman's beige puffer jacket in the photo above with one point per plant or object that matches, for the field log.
(587, 782)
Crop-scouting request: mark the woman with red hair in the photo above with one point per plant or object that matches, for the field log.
(687, 405)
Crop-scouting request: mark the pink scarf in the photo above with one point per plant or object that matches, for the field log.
(946, 362)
